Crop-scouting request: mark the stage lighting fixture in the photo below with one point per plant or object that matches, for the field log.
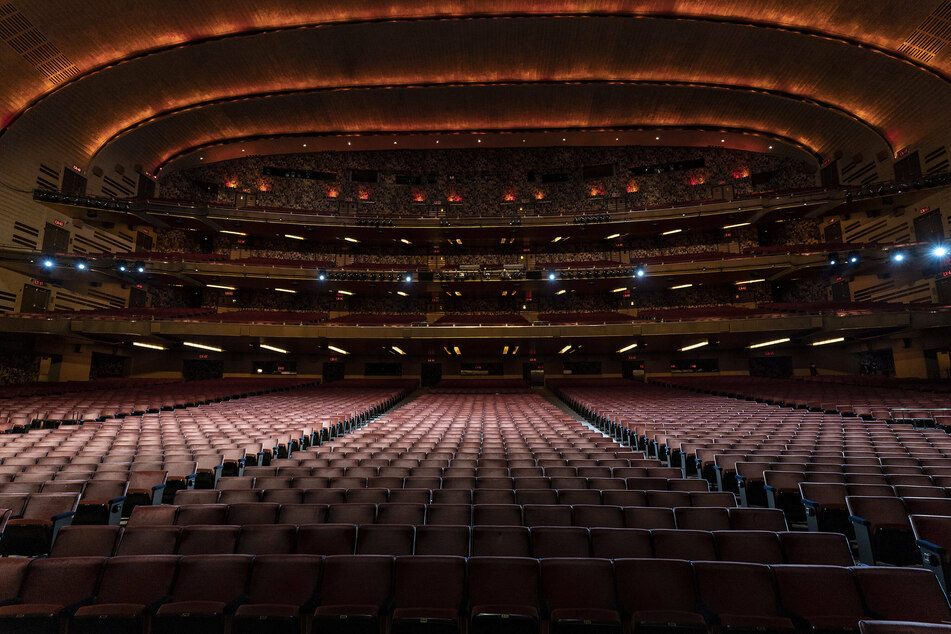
(551, 277)
(939, 251)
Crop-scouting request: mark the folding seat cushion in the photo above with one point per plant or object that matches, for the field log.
(208, 540)
(831, 549)
(240, 496)
(12, 574)
(503, 595)
(649, 517)
(617, 543)
(351, 513)
(260, 513)
(302, 514)
(882, 530)
(688, 484)
(723, 499)
(206, 589)
(325, 496)
(546, 515)
(196, 496)
(207, 514)
(824, 597)
(501, 541)
(130, 590)
(272, 482)
(148, 540)
(243, 482)
(668, 499)
(424, 482)
(684, 544)
(496, 515)
(754, 547)
(452, 496)
(442, 540)
(429, 594)
(385, 539)
(448, 514)
(606, 484)
(580, 594)
(902, 594)
(309, 482)
(645, 483)
(493, 496)
(145, 487)
(658, 594)
(740, 596)
(536, 496)
(568, 483)
(101, 502)
(531, 483)
(153, 516)
(494, 483)
(267, 539)
(413, 514)
(753, 519)
(579, 496)
(355, 589)
(602, 516)
(35, 530)
(86, 541)
(367, 496)
(327, 539)
(626, 497)
(53, 589)
(280, 591)
(283, 496)
(410, 496)
(704, 519)
(560, 541)
(14, 502)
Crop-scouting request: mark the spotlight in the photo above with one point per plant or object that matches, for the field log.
(551, 276)
(47, 264)
(408, 277)
(640, 272)
(122, 268)
(140, 269)
(853, 259)
(81, 266)
(939, 251)
(899, 257)
(321, 276)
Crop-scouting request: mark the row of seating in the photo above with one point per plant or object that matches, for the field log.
(377, 495)
(765, 547)
(132, 395)
(347, 593)
(706, 518)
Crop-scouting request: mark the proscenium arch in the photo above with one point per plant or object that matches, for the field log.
(727, 87)
(810, 32)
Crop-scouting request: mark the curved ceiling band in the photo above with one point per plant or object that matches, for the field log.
(306, 91)
(251, 33)
(632, 128)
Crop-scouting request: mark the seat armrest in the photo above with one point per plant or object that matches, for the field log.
(157, 492)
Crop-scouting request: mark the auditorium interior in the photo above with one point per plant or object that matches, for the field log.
(495, 317)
